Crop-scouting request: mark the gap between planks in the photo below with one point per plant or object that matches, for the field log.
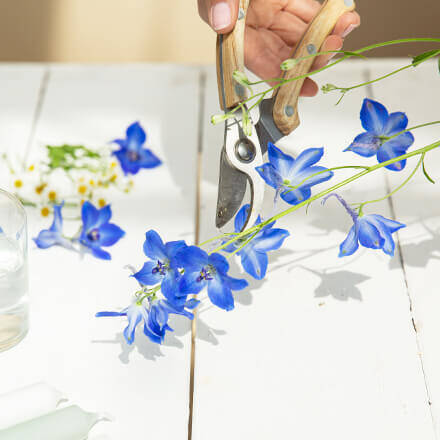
(201, 97)
(370, 93)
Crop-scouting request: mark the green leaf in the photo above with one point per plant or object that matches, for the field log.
(419, 59)
(426, 173)
(65, 156)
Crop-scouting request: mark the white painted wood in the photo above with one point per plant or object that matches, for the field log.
(417, 92)
(324, 347)
(145, 387)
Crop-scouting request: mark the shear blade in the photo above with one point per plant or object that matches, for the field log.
(231, 191)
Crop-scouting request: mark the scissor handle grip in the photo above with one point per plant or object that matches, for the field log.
(285, 109)
(230, 57)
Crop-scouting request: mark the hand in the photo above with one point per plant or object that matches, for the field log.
(273, 27)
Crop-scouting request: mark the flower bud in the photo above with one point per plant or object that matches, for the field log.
(288, 64)
(217, 119)
(328, 88)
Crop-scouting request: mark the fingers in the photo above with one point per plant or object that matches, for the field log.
(304, 9)
(332, 42)
(221, 15)
(347, 23)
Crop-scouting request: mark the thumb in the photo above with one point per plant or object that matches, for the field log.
(221, 15)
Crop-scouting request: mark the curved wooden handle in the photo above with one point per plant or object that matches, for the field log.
(285, 110)
(230, 57)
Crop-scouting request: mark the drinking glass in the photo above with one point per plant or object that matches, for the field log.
(13, 271)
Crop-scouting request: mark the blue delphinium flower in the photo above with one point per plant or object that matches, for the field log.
(254, 255)
(371, 231)
(97, 231)
(203, 270)
(283, 172)
(162, 267)
(379, 125)
(154, 315)
(54, 235)
(131, 154)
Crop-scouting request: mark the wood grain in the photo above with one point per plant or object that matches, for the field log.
(230, 57)
(285, 109)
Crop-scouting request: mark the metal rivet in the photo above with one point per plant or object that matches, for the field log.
(241, 13)
(311, 49)
(239, 90)
(348, 3)
(289, 110)
(245, 150)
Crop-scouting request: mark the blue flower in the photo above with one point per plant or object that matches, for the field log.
(283, 172)
(97, 231)
(371, 231)
(162, 267)
(203, 270)
(380, 126)
(54, 235)
(254, 255)
(154, 316)
(131, 155)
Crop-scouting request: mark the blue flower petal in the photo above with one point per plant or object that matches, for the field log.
(104, 215)
(365, 144)
(374, 117)
(121, 142)
(220, 294)
(192, 303)
(134, 317)
(147, 159)
(241, 217)
(351, 244)
(57, 224)
(154, 247)
(146, 277)
(323, 176)
(171, 285)
(103, 314)
(306, 159)
(109, 234)
(128, 166)
(90, 216)
(173, 247)
(270, 175)
(281, 162)
(235, 283)
(369, 236)
(100, 253)
(296, 196)
(46, 239)
(189, 284)
(219, 262)
(396, 123)
(270, 240)
(388, 244)
(192, 258)
(392, 225)
(254, 263)
(394, 148)
(136, 136)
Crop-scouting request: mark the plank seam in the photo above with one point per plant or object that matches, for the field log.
(38, 109)
(370, 93)
(201, 115)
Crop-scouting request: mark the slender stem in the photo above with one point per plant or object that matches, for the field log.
(217, 238)
(413, 128)
(361, 205)
(330, 190)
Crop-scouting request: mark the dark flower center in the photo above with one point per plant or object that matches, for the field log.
(161, 268)
(205, 274)
(133, 156)
(93, 235)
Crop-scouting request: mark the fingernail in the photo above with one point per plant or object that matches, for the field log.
(220, 16)
(349, 29)
(334, 53)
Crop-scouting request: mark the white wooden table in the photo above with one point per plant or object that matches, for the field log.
(324, 348)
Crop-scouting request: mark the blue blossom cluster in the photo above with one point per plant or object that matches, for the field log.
(95, 233)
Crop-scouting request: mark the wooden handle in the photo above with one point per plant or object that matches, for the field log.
(285, 110)
(230, 57)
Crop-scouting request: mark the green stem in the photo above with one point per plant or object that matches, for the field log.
(413, 128)
(378, 166)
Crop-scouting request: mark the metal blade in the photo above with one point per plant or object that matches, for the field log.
(231, 191)
(266, 128)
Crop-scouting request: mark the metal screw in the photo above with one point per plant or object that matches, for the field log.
(239, 90)
(241, 13)
(289, 110)
(311, 49)
(245, 150)
(348, 3)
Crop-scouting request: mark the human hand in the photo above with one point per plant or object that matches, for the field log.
(273, 27)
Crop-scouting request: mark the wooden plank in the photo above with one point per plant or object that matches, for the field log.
(143, 386)
(324, 347)
(416, 92)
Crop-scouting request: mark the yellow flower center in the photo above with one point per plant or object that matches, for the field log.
(113, 178)
(40, 188)
(91, 182)
(82, 189)
(52, 196)
(45, 211)
(31, 168)
(102, 203)
(18, 183)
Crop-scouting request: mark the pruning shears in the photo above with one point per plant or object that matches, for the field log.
(243, 150)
